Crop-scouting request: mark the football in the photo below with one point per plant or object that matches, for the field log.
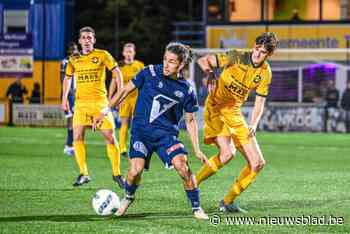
(105, 202)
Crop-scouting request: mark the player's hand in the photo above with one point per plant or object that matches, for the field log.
(65, 105)
(97, 122)
(212, 82)
(252, 130)
(203, 158)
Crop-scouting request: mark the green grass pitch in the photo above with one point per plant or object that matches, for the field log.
(306, 175)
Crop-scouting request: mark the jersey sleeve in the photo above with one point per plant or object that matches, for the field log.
(191, 103)
(226, 58)
(141, 65)
(139, 79)
(69, 69)
(109, 61)
(263, 88)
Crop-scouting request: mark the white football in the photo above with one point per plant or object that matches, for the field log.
(105, 202)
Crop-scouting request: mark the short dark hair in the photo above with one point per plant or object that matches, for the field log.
(183, 51)
(130, 44)
(268, 40)
(71, 47)
(87, 29)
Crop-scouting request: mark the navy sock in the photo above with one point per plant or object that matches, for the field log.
(130, 189)
(69, 141)
(193, 196)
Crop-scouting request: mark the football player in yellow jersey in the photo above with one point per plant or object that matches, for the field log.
(91, 100)
(129, 68)
(242, 72)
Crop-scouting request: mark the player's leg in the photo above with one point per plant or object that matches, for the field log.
(252, 153)
(173, 153)
(192, 191)
(123, 135)
(113, 154)
(226, 153)
(68, 147)
(132, 182)
(80, 155)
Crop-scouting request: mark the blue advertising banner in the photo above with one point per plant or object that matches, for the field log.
(16, 55)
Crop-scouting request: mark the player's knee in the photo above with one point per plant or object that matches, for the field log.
(135, 171)
(78, 136)
(262, 163)
(110, 139)
(226, 155)
(258, 165)
(183, 169)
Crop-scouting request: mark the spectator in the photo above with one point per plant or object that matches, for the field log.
(332, 95)
(36, 95)
(295, 15)
(16, 91)
(345, 104)
(345, 99)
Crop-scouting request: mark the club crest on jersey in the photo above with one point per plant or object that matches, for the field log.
(160, 104)
(257, 79)
(160, 84)
(178, 94)
(94, 60)
(140, 147)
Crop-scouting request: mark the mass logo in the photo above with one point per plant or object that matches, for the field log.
(160, 105)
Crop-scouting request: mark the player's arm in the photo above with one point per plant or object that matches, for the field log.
(114, 101)
(258, 111)
(262, 90)
(116, 83)
(207, 63)
(120, 96)
(192, 129)
(67, 82)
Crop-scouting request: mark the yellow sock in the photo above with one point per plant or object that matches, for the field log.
(244, 172)
(80, 156)
(123, 136)
(205, 172)
(114, 156)
(240, 185)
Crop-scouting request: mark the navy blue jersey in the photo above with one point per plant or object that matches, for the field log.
(161, 101)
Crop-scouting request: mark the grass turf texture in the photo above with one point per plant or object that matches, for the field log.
(306, 174)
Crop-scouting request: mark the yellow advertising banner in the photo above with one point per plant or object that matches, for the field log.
(311, 37)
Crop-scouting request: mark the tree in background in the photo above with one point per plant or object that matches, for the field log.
(147, 23)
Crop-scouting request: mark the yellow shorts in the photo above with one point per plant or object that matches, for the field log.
(127, 107)
(225, 121)
(84, 114)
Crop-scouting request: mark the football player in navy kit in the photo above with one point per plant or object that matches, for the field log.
(164, 95)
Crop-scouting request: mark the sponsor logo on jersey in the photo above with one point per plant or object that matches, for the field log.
(160, 105)
(178, 94)
(237, 89)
